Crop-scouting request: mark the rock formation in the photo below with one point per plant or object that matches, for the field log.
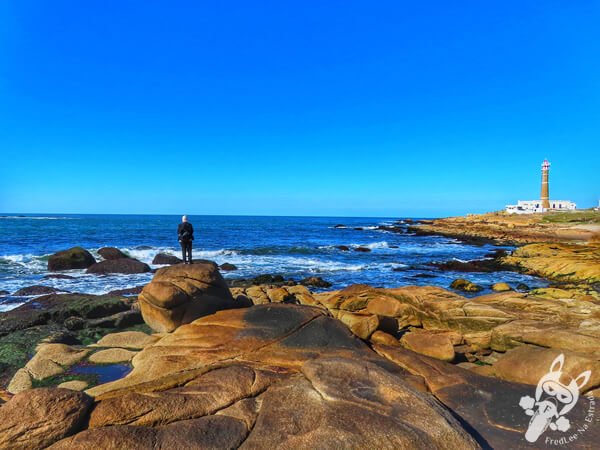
(181, 293)
(73, 258)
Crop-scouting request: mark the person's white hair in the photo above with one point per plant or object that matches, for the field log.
(184, 218)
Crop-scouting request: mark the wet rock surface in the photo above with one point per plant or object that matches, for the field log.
(73, 258)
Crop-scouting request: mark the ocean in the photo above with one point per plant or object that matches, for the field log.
(295, 247)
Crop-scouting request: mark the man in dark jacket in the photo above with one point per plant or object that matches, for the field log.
(185, 232)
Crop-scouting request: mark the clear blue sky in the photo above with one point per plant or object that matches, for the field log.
(370, 108)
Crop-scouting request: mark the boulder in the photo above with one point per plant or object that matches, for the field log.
(343, 248)
(35, 290)
(527, 364)
(228, 267)
(460, 284)
(121, 265)
(111, 253)
(39, 417)
(501, 287)
(73, 258)
(165, 258)
(435, 345)
(362, 249)
(182, 293)
(317, 282)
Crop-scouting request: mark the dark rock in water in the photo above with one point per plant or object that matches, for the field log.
(496, 254)
(74, 323)
(362, 249)
(128, 291)
(359, 228)
(461, 284)
(111, 253)
(391, 229)
(3, 293)
(340, 225)
(143, 247)
(73, 258)
(165, 258)
(228, 267)
(317, 282)
(424, 275)
(407, 221)
(343, 248)
(477, 265)
(522, 287)
(35, 290)
(58, 276)
(266, 279)
(393, 246)
(121, 265)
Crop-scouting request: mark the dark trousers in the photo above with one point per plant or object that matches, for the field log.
(186, 249)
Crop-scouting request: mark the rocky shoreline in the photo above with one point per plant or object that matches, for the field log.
(193, 362)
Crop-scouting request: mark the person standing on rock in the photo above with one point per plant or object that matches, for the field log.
(185, 232)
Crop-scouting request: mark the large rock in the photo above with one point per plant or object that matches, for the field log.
(182, 293)
(111, 253)
(490, 407)
(165, 258)
(277, 375)
(37, 418)
(121, 265)
(436, 345)
(73, 258)
(560, 262)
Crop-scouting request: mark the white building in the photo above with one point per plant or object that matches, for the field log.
(544, 203)
(535, 206)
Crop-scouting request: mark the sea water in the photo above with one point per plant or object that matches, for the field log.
(295, 247)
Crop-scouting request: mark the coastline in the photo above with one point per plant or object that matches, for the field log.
(137, 359)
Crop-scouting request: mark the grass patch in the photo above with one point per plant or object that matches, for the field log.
(571, 217)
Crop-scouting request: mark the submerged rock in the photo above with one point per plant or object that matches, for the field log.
(73, 258)
(460, 284)
(501, 287)
(228, 267)
(35, 290)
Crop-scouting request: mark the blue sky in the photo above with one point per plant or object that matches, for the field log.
(296, 108)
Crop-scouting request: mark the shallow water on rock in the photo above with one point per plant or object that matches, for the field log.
(101, 373)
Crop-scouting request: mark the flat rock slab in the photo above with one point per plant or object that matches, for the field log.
(53, 359)
(112, 356)
(74, 385)
(126, 339)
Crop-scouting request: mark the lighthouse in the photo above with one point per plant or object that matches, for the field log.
(545, 196)
(544, 203)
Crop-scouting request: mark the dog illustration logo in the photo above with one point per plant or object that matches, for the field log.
(553, 400)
